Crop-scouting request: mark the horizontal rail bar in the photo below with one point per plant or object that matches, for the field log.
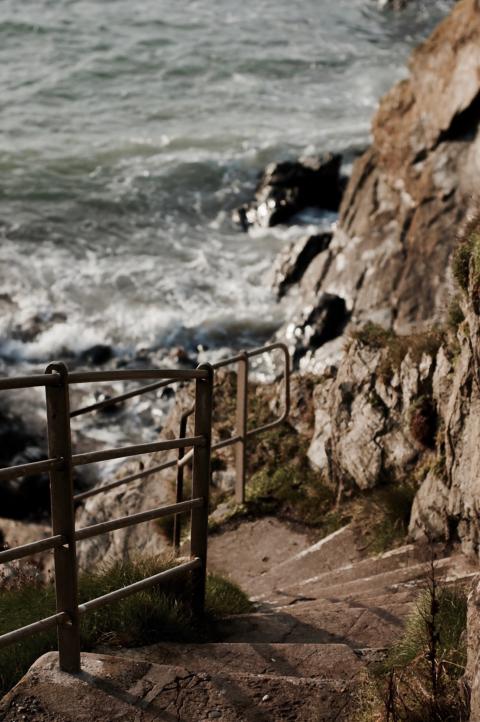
(270, 347)
(138, 586)
(266, 427)
(226, 442)
(33, 628)
(35, 467)
(91, 457)
(121, 397)
(51, 542)
(26, 382)
(142, 516)
(253, 352)
(125, 480)
(86, 377)
(228, 361)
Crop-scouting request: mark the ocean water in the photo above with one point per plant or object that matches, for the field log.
(129, 132)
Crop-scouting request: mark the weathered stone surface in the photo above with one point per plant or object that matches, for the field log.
(362, 420)
(287, 188)
(311, 661)
(116, 688)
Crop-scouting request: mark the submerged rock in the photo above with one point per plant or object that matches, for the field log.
(97, 355)
(289, 187)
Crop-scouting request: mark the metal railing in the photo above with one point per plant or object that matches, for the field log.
(239, 439)
(60, 464)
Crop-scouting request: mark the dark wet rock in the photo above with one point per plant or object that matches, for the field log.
(167, 393)
(36, 325)
(323, 322)
(289, 187)
(291, 265)
(97, 355)
(27, 497)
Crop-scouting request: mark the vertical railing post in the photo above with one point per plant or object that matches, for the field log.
(177, 519)
(241, 429)
(201, 484)
(63, 519)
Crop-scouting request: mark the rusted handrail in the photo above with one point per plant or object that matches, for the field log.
(65, 537)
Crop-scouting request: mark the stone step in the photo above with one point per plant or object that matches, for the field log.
(356, 624)
(455, 568)
(247, 551)
(125, 690)
(315, 661)
(313, 563)
(338, 549)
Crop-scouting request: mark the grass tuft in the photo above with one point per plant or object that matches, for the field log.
(421, 677)
(450, 625)
(160, 613)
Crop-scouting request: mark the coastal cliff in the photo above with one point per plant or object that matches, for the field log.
(408, 194)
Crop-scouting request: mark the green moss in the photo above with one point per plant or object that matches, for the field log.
(455, 315)
(158, 614)
(395, 348)
(466, 258)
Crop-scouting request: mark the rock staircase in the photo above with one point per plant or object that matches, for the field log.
(322, 615)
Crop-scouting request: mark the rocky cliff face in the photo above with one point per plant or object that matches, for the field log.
(389, 257)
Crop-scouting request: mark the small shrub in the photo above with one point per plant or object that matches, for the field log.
(421, 677)
(373, 335)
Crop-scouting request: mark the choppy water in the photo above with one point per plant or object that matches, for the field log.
(130, 129)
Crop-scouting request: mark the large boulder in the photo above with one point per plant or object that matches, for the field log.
(286, 188)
